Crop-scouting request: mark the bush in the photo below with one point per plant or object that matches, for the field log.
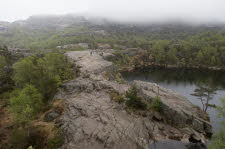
(114, 95)
(156, 104)
(56, 141)
(25, 104)
(3, 64)
(25, 138)
(5, 74)
(218, 141)
(45, 73)
(133, 100)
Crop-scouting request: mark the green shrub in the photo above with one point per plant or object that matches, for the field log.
(5, 74)
(156, 104)
(25, 104)
(114, 95)
(133, 100)
(218, 140)
(3, 63)
(55, 142)
(45, 73)
(4, 97)
(25, 138)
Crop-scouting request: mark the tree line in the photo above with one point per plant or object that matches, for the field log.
(33, 83)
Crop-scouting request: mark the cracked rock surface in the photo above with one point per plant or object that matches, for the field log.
(93, 121)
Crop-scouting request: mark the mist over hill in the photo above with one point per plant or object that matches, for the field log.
(49, 31)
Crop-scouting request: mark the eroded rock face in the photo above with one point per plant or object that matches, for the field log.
(93, 121)
(176, 108)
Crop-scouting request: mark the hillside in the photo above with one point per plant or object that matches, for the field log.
(43, 32)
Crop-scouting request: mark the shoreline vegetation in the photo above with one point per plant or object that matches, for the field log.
(143, 67)
(139, 61)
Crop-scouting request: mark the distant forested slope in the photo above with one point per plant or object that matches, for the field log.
(168, 43)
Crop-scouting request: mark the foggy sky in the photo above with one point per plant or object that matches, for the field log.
(120, 10)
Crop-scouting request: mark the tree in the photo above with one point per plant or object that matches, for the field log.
(26, 71)
(5, 53)
(218, 140)
(159, 51)
(205, 94)
(45, 73)
(56, 64)
(171, 57)
(25, 104)
(3, 64)
(5, 75)
(199, 57)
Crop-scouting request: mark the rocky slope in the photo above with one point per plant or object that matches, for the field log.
(93, 120)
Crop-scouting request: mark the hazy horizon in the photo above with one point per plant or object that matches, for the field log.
(119, 10)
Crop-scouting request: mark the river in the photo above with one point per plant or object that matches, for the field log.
(185, 82)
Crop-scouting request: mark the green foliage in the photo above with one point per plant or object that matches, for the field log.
(6, 54)
(218, 141)
(25, 71)
(25, 104)
(114, 95)
(3, 64)
(121, 60)
(205, 94)
(133, 101)
(55, 142)
(5, 70)
(221, 108)
(34, 137)
(171, 45)
(156, 104)
(45, 73)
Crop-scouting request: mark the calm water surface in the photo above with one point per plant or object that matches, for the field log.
(185, 82)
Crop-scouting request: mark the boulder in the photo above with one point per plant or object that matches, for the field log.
(50, 116)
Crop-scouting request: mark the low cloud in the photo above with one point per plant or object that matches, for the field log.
(120, 10)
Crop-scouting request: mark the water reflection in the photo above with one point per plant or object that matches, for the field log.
(185, 82)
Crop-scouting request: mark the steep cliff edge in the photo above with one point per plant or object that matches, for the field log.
(93, 120)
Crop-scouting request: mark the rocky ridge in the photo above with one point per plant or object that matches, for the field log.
(93, 120)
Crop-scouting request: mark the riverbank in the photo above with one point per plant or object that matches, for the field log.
(137, 59)
(144, 67)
